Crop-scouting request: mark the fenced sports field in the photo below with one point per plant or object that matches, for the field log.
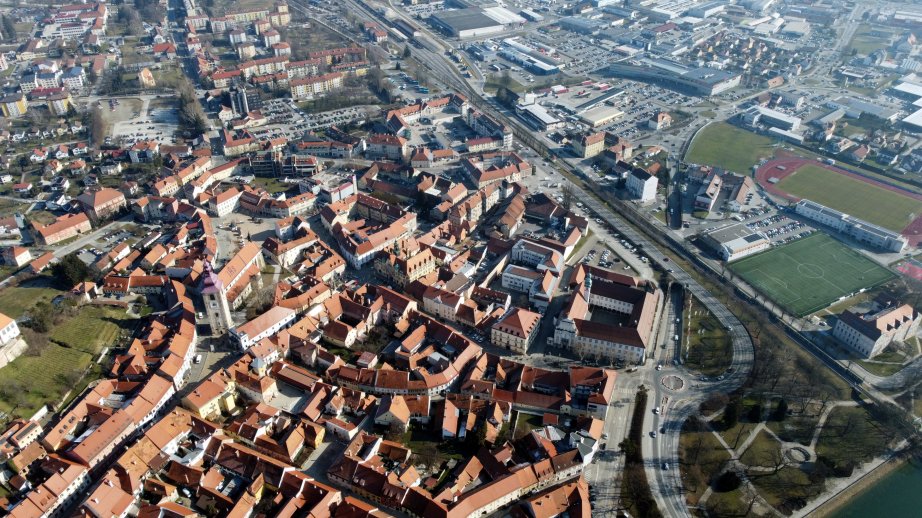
(810, 274)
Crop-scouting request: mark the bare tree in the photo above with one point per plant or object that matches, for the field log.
(752, 502)
(566, 191)
(697, 447)
(774, 458)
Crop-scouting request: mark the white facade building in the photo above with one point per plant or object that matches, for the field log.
(9, 331)
(857, 229)
(642, 186)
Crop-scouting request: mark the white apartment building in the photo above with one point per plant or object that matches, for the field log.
(9, 331)
(642, 186)
(518, 278)
(263, 326)
(868, 334)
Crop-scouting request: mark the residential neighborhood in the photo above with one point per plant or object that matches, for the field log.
(454, 259)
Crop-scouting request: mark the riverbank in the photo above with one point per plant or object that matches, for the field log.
(841, 493)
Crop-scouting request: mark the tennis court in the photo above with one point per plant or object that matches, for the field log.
(809, 274)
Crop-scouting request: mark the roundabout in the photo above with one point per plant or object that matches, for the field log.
(673, 382)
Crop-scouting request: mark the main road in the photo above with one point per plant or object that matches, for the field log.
(667, 484)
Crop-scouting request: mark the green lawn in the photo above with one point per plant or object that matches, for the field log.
(731, 503)
(851, 435)
(786, 490)
(881, 369)
(701, 457)
(273, 185)
(91, 329)
(763, 451)
(41, 217)
(735, 435)
(494, 82)
(865, 42)
(15, 300)
(726, 146)
(810, 274)
(795, 428)
(860, 199)
(709, 349)
(30, 381)
(525, 423)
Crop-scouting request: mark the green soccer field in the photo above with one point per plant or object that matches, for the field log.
(810, 274)
(726, 146)
(859, 199)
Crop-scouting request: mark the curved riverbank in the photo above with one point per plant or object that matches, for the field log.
(839, 497)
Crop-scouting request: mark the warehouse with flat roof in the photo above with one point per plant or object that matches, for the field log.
(465, 23)
(600, 115)
(735, 242)
(697, 81)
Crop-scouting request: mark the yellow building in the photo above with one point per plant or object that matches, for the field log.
(211, 398)
(146, 78)
(14, 105)
(588, 146)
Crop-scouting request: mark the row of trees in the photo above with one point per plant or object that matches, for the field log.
(8, 26)
(191, 115)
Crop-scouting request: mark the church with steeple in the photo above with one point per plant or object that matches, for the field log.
(217, 310)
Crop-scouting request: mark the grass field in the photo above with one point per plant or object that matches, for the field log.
(726, 146)
(859, 199)
(709, 349)
(14, 301)
(850, 434)
(787, 489)
(865, 42)
(701, 456)
(764, 451)
(36, 380)
(93, 328)
(810, 274)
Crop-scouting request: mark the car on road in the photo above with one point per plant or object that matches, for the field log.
(656, 410)
(653, 434)
(665, 466)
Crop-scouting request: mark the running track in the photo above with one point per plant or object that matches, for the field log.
(912, 232)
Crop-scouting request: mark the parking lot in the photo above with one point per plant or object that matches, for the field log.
(157, 119)
(289, 121)
(90, 253)
(779, 228)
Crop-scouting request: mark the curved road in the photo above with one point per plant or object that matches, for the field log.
(667, 484)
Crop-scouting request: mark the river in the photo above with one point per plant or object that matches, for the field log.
(897, 494)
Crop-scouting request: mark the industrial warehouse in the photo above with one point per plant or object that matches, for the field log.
(475, 22)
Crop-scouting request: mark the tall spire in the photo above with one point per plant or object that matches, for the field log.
(211, 283)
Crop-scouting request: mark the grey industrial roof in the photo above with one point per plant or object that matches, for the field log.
(465, 19)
